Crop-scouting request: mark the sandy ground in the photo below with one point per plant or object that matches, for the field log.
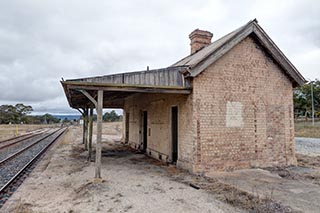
(63, 182)
(300, 195)
(294, 186)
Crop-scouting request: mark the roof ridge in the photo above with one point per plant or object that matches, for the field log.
(200, 60)
(236, 31)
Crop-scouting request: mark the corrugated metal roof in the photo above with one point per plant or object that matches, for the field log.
(197, 57)
(119, 86)
(200, 60)
(171, 76)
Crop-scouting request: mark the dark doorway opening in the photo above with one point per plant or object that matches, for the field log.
(127, 128)
(145, 131)
(174, 133)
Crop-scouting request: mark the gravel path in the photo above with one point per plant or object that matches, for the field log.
(308, 146)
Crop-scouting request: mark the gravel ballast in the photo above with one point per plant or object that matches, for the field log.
(308, 146)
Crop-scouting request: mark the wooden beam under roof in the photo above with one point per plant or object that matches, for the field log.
(78, 85)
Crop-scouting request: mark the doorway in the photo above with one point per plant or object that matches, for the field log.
(145, 131)
(174, 133)
(127, 128)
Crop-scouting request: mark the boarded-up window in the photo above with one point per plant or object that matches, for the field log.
(234, 114)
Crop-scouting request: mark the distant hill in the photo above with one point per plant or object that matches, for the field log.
(69, 117)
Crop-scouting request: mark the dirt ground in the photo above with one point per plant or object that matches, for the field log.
(63, 182)
(295, 187)
(297, 194)
(133, 182)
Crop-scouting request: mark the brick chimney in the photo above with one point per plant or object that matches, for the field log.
(199, 39)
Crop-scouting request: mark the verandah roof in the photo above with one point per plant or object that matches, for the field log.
(119, 86)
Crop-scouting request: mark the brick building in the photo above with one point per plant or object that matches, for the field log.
(227, 105)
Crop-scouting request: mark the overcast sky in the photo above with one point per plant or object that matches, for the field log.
(42, 41)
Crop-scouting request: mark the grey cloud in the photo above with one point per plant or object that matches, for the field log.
(42, 41)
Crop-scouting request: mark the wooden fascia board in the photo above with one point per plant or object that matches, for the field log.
(278, 56)
(65, 88)
(214, 56)
(69, 96)
(109, 105)
(83, 83)
(127, 88)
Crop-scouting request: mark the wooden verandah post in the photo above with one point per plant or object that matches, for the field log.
(90, 134)
(99, 106)
(99, 134)
(84, 127)
(85, 122)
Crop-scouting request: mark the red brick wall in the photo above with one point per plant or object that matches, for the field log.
(243, 112)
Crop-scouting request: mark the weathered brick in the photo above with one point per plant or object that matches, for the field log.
(239, 115)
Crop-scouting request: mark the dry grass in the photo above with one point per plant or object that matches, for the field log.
(9, 131)
(311, 162)
(308, 169)
(305, 129)
(112, 128)
(67, 136)
(308, 161)
(250, 202)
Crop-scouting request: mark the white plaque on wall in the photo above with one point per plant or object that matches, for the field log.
(234, 114)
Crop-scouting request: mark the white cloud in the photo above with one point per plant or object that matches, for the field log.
(42, 41)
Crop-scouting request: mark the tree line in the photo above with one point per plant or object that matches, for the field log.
(302, 98)
(20, 114)
(14, 114)
(111, 116)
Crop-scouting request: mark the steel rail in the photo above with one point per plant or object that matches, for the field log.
(20, 136)
(27, 147)
(18, 141)
(10, 139)
(3, 188)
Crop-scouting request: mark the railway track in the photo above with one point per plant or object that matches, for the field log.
(13, 141)
(21, 137)
(14, 167)
(10, 147)
(14, 138)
